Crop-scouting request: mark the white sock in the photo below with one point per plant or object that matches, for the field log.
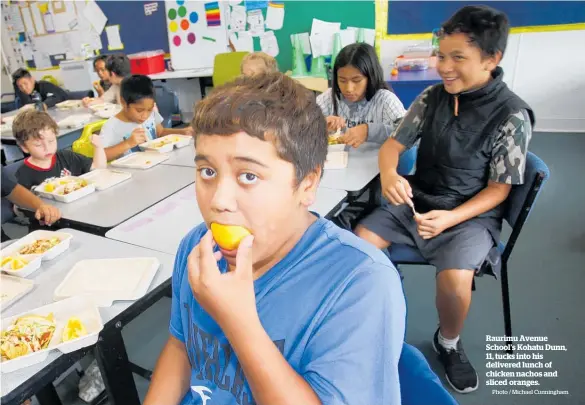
(450, 344)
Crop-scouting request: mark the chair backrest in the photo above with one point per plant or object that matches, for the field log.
(407, 161)
(419, 385)
(10, 170)
(83, 144)
(522, 197)
(226, 67)
(167, 103)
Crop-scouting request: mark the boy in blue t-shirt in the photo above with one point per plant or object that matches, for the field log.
(302, 312)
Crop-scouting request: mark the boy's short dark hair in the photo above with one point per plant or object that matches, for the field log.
(486, 27)
(19, 74)
(103, 58)
(268, 107)
(118, 64)
(29, 123)
(135, 88)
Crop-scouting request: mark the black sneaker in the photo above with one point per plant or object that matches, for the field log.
(459, 372)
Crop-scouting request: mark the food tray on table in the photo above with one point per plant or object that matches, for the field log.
(108, 111)
(336, 160)
(75, 121)
(166, 143)
(68, 104)
(20, 265)
(66, 325)
(65, 189)
(105, 178)
(12, 289)
(47, 244)
(140, 160)
(108, 280)
(101, 106)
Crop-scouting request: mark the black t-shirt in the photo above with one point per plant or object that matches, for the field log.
(8, 184)
(50, 94)
(65, 163)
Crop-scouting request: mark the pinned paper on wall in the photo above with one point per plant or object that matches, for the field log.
(150, 8)
(242, 41)
(235, 2)
(26, 51)
(347, 37)
(255, 5)
(322, 37)
(305, 42)
(275, 15)
(238, 18)
(269, 44)
(212, 14)
(42, 60)
(369, 34)
(94, 14)
(114, 40)
(255, 22)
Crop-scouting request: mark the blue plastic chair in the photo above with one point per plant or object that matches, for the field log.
(167, 104)
(519, 204)
(419, 385)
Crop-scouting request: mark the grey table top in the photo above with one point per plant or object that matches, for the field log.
(362, 168)
(163, 226)
(110, 207)
(49, 276)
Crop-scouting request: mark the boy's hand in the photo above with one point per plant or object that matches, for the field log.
(355, 136)
(334, 123)
(137, 137)
(86, 101)
(47, 214)
(229, 297)
(434, 222)
(189, 131)
(96, 141)
(396, 189)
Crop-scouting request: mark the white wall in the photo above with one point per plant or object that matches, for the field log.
(546, 69)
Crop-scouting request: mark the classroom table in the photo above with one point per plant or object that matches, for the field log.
(103, 210)
(362, 168)
(408, 85)
(112, 358)
(182, 157)
(163, 226)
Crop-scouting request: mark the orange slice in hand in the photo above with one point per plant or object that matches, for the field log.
(228, 237)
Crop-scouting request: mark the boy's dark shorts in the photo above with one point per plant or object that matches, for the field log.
(464, 246)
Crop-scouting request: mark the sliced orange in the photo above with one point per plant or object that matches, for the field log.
(228, 237)
(73, 330)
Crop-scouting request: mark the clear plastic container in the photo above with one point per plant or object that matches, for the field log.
(412, 64)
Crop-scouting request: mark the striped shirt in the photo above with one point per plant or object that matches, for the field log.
(382, 113)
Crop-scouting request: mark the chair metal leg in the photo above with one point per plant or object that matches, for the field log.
(506, 303)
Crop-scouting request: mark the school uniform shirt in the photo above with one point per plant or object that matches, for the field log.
(65, 163)
(333, 306)
(115, 130)
(382, 113)
(50, 94)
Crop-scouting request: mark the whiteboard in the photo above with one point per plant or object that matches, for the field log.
(197, 31)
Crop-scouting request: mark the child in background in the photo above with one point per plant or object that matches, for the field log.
(36, 134)
(474, 133)
(257, 63)
(138, 122)
(118, 68)
(27, 88)
(99, 65)
(360, 99)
